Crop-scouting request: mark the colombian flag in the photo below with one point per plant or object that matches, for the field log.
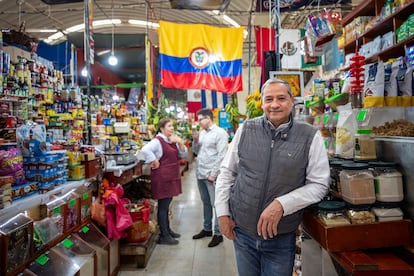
(197, 56)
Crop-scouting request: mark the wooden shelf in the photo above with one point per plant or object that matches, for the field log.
(382, 27)
(358, 236)
(365, 8)
(390, 23)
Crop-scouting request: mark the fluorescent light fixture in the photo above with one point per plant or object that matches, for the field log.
(79, 27)
(75, 28)
(54, 37)
(226, 18)
(230, 21)
(106, 22)
(144, 23)
(101, 53)
(41, 30)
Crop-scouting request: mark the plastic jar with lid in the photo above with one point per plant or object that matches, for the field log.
(360, 214)
(387, 211)
(388, 181)
(364, 145)
(335, 166)
(357, 183)
(333, 212)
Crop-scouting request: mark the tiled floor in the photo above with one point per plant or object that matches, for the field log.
(189, 257)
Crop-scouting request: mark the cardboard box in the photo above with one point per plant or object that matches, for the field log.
(15, 52)
(92, 168)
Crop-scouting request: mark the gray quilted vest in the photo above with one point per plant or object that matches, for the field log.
(272, 163)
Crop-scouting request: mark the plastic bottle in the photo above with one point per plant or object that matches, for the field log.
(364, 145)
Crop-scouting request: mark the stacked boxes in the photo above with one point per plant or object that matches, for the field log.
(5, 191)
(49, 170)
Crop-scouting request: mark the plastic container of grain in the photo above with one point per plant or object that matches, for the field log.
(332, 212)
(387, 211)
(388, 181)
(357, 183)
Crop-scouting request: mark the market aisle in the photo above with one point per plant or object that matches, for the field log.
(189, 257)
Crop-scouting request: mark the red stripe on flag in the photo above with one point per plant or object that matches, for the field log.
(195, 80)
(193, 107)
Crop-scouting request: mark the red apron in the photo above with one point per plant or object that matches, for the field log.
(166, 180)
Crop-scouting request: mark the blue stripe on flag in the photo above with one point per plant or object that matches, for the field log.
(214, 99)
(225, 99)
(178, 65)
(203, 99)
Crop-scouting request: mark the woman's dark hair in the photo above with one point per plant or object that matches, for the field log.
(205, 112)
(162, 123)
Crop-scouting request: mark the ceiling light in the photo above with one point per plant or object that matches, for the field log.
(113, 61)
(41, 30)
(144, 23)
(84, 72)
(106, 22)
(75, 28)
(230, 21)
(101, 53)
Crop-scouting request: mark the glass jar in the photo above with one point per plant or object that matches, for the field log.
(357, 183)
(333, 212)
(364, 145)
(387, 211)
(360, 214)
(388, 181)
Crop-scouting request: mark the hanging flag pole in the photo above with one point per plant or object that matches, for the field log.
(89, 53)
(277, 32)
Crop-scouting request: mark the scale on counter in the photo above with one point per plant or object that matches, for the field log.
(121, 158)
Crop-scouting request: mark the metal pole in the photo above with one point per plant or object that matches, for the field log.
(88, 69)
(277, 32)
(250, 54)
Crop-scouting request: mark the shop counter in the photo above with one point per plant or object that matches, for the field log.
(380, 248)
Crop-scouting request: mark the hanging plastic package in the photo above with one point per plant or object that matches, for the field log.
(374, 85)
(404, 79)
(390, 84)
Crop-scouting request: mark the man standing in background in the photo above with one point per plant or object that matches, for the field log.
(210, 146)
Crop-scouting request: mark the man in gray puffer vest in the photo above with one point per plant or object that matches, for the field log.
(274, 168)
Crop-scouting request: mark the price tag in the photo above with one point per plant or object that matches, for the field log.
(42, 259)
(362, 114)
(336, 116)
(326, 119)
(85, 196)
(67, 243)
(72, 203)
(56, 211)
(85, 229)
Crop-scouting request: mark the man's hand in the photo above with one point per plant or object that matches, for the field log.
(211, 179)
(226, 227)
(269, 219)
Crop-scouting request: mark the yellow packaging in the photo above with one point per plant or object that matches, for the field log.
(77, 172)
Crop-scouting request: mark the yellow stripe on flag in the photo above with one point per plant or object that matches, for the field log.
(179, 40)
(149, 70)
